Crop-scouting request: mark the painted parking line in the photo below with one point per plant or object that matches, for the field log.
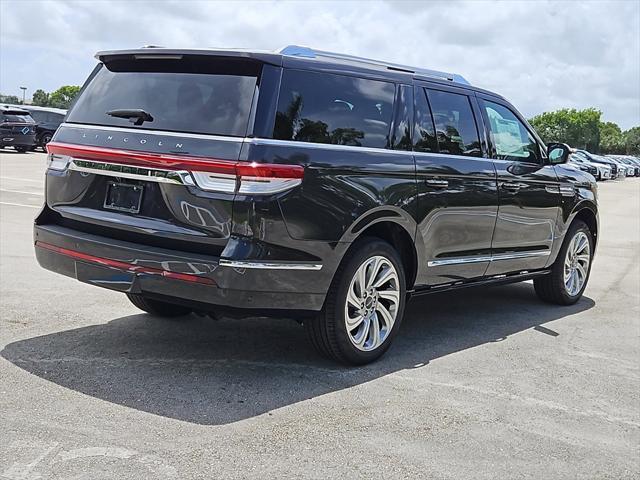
(38, 194)
(19, 205)
(22, 179)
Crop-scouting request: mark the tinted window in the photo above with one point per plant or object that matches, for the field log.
(55, 118)
(39, 116)
(16, 118)
(188, 95)
(337, 109)
(511, 139)
(456, 129)
(425, 134)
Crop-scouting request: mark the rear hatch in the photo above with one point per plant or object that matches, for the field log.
(15, 123)
(148, 151)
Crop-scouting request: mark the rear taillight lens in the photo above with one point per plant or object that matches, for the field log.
(250, 178)
(209, 174)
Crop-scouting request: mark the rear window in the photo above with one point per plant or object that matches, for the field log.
(16, 118)
(337, 109)
(192, 95)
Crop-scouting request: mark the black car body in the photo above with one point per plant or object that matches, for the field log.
(17, 128)
(251, 180)
(47, 122)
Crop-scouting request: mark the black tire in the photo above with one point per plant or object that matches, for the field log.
(551, 288)
(158, 308)
(44, 139)
(21, 149)
(327, 331)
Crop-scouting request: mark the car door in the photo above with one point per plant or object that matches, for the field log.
(457, 187)
(528, 190)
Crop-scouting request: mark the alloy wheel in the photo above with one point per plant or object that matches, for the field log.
(372, 303)
(576, 263)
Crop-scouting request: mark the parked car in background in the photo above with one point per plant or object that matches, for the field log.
(633, 168)
(623, 168)
(599, 170)
(346, 186)
(615, 171)
(47, 122)
(636, 162)
(17, 128)
(606, 170)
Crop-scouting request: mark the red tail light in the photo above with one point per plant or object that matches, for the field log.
(209, 173)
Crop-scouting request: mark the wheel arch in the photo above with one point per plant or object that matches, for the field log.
(588, 215)
(396, 228)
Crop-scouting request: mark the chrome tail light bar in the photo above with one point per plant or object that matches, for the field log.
(209, 174)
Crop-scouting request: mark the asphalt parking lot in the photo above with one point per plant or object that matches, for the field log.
(485, 383)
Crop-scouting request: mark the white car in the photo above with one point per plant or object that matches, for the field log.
(604, 171)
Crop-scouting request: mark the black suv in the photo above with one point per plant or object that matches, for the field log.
(47, 122)
(17, 128)
(325, 186)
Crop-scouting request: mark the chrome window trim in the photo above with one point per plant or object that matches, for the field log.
(488, 258)
(270, 141)
(330, 146)
(269, 265)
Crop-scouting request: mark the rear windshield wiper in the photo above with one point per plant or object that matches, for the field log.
(135, 115)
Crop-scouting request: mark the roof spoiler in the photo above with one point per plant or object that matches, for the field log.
(306, 52)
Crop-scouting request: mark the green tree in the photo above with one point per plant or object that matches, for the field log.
(611, 138)
(40, 98)
(9, 99)
(63, 97)
(578, 128)
(632, 141)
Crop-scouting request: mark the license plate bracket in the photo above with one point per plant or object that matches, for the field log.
(123, 197)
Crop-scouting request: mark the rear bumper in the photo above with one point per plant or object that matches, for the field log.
(200, 280)
(12, 139)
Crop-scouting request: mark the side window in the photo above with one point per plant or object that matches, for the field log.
(509, 136)
(337, 109)
(39, 116)
(425, 135)
(456, 128)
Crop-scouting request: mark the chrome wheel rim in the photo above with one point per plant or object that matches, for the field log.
(576, 263)
(372, 303)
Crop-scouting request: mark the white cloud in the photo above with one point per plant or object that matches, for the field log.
(540, 55)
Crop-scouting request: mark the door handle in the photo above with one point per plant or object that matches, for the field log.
(432, 182)
(512, 186)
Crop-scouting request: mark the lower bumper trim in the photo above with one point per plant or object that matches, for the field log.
(128, 267)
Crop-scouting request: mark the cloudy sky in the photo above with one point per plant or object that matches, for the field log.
(540, 55)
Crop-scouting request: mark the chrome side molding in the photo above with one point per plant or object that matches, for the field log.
(269, 265)
(488, 258)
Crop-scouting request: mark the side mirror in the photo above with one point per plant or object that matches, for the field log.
(558, 153)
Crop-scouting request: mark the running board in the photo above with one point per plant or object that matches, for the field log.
(495, 280)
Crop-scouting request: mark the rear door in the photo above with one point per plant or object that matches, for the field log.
(458, 199)
(529, 191)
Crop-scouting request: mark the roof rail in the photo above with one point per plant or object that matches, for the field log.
(306, 52)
